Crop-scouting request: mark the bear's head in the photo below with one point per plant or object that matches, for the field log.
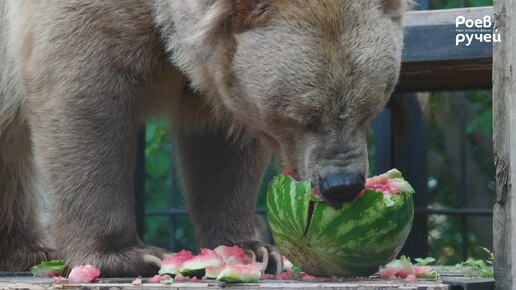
(306, 75)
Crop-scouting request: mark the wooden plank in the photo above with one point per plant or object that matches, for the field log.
(504, 136)
(430, 36)
(362, 284)
(446, 75)
(431, 59)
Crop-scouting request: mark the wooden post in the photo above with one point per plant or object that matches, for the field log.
(504, 135)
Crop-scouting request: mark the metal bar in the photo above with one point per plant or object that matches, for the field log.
(382, 142)
(409, 141)
(418, 210)
(409, 155)
(463, 176)
(454, 211)
(139, 184)
(172, 223)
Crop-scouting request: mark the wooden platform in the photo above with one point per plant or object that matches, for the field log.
(450, 278)
(24, 281)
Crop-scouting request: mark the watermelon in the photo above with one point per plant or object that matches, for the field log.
(397, 269)
(353, 241)
(425, 272)
(232, 255)
(213, 272)
(48, 269)
(84, 274)
(287, 265)
(237, 273)
(403, 269)
(159, 278)
(195, 267)
(172, 265)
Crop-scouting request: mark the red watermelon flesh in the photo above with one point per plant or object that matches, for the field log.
(213, 272)
(232, 255)
(234, 273)
(389, 183)
(171, 266)
(403, 269)
(197, 265)
(229, 264)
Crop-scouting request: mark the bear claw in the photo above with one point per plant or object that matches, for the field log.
(266, 254)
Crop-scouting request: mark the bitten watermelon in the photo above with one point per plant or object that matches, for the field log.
(232, 255)
(171, 266)
(355, 240)
(48, 269)
(239, 273)
(403, 269)
(196, 266)
(213, 272)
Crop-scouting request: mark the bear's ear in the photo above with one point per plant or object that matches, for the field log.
(250, 13)
(396, 8)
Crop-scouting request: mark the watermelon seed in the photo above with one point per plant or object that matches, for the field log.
(311, 207)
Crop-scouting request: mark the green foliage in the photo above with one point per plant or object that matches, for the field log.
(424, 262)
(296, 271)
(478, 268)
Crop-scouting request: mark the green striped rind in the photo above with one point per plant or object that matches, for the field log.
(168, 270)
(199, 273)
(231, 276)
(287, 207)
(351, 241)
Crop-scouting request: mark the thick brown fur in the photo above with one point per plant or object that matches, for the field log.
(241, 78)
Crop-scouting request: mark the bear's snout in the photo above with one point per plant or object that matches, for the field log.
(338, 188)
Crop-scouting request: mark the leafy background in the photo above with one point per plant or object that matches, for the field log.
(446, 115)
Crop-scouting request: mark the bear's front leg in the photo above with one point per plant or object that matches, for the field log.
(84, 131)
(221, 177)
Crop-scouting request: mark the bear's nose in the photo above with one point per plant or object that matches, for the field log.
(338, 188)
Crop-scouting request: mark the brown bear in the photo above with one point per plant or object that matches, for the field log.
(242, 79)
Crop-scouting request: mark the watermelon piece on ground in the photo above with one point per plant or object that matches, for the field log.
(158, 278)
(403, 269)
(196, 267)
(172, 265)
(137, 282)
(58, 279)
(232, 255)
(287, 275)
(239, 273)
(48, 269)
(287, 265)
(84, 274)
(397, 269)
(213, 272)
(425, 272)
(180, 277)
